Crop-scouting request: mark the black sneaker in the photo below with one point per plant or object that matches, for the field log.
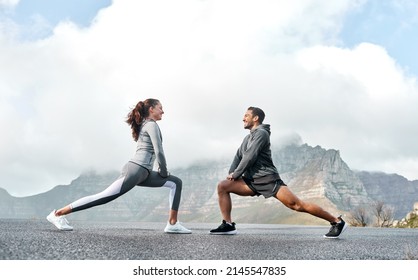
(336, 229)
(225, 228)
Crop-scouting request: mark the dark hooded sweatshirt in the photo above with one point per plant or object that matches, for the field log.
(253, 158)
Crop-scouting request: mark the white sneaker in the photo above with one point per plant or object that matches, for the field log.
(176, 228)
(59, 221)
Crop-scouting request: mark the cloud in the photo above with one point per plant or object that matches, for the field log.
(8, 3)
(64, 98)
(375, 112)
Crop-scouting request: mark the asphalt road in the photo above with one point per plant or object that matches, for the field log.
(39, 240)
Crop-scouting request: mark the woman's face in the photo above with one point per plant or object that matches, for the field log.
(156, 112)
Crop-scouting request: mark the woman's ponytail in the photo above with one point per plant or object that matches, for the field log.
(138, 114)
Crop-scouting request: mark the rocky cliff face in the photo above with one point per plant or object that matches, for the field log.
(393, 189)
(312, 173)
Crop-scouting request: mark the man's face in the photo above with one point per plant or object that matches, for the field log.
(249, 119)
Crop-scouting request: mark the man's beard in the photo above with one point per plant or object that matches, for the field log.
(248, 126)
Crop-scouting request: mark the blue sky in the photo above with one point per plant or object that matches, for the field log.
(80, 11)
(339, 74)
(392, 24)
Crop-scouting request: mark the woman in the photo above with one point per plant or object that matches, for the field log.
(138, 171)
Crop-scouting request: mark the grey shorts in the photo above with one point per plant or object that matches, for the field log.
(267, 186)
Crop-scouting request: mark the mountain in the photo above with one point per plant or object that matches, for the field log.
(312, 173)
(392, 189)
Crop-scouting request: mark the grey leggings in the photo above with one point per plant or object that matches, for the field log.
(132, 175)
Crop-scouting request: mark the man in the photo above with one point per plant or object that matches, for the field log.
(252, 172)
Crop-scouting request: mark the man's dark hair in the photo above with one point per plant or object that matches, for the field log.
(258, 112)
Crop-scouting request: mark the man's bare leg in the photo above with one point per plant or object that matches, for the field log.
(225, 188)
(290, 200)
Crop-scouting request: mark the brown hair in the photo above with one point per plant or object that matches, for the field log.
(138, 114)
(258, 112)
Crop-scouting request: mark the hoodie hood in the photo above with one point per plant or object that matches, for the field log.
(265, 127)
